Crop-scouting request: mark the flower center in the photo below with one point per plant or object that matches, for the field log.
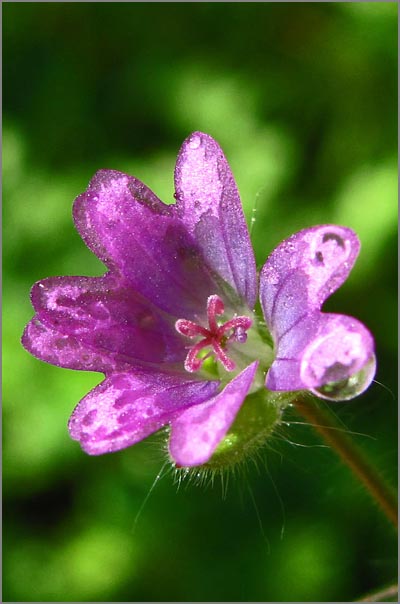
(217, 337)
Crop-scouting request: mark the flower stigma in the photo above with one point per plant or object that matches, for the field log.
(217, 337)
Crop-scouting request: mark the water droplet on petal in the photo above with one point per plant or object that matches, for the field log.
(195, 142)
(346, 389)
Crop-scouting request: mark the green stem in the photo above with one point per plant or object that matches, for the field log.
(326, 424)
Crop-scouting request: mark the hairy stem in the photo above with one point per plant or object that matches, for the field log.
(326, 424)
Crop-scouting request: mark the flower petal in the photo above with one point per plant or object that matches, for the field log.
(197, 431)
(304, 270)
(135, 234)
(107, 317)
(209, 204)
(126, 408)
(330, 355)
(52, 346)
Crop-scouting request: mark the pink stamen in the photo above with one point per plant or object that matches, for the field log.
(215, 336)
(190, 329)
(237, 322)
(223, 357)
(215, 306)
(192, 363)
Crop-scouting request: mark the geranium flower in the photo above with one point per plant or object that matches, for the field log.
(172, 323)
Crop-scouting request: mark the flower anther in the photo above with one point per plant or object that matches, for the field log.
(215, 336)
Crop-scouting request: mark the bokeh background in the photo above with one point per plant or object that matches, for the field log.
(302, 98)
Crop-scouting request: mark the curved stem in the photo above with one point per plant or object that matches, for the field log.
(326, 424)
(381, 595)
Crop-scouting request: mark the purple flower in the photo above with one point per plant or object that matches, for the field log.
(172, 323)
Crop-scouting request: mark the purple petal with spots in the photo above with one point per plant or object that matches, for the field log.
(322, 256)
(106, 316)
(321, 349)
(313, 349)
(52, 346)
(197, 431)
(134, 233)
(126, 408)
(209, 205)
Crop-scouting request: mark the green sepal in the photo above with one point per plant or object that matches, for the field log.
(257, 418)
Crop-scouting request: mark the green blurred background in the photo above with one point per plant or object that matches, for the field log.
(302, 98)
